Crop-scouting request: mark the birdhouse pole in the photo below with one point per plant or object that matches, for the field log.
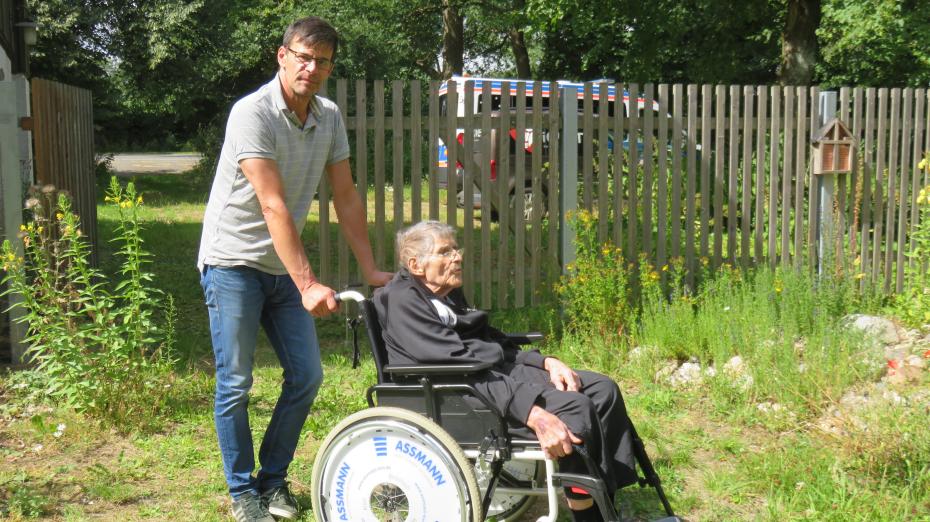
(826, 185)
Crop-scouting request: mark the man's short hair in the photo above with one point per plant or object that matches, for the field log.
(310, 31)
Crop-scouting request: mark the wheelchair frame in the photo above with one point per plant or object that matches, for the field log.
(439, 400)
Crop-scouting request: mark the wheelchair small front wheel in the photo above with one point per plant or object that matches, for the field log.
(393, 465)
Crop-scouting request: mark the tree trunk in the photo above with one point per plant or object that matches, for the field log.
(799, 42)
(453, 40)
(518, 42)
(520, 55)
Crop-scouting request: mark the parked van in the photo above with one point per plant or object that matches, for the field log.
(498, 101)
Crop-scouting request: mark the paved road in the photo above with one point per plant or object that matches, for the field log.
(129, 164)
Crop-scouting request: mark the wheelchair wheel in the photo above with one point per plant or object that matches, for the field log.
(393, 465)
(508, 507)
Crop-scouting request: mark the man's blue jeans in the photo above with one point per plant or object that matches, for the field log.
(238, 300)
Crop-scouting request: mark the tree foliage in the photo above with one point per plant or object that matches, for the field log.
(875, 43)
(165, 72)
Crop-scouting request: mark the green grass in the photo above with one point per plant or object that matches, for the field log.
(719, 456)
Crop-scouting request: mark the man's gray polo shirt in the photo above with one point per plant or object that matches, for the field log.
(261, 126)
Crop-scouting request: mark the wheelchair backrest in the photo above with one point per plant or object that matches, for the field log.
(375, 339)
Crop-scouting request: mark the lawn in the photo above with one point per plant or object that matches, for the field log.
(799, 419)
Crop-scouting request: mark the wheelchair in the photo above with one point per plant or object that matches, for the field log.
(430, 449)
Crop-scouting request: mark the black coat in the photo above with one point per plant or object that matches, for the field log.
(414, 333)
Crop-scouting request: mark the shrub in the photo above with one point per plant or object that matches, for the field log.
(596, 292)
(913, 304)
(103, 351)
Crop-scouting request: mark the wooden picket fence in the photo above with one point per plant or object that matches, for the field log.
(718, 174)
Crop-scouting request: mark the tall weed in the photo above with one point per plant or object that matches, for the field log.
(100, 350)
(596, 291)
(913, 304)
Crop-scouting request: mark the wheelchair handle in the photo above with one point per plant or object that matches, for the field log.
(350, 295)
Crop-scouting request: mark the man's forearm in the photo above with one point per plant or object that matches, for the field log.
(286, 241)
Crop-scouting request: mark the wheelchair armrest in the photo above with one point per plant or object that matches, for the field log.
(436, 369)
(525, 338)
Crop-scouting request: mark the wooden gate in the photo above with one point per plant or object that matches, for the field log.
(63, 138)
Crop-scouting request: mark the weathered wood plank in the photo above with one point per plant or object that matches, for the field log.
(503, 207)
(662, 182)
(519, 185)
(788, 176)
(603, 158)
(487, 197)
(380, 230)
(732, 176)
(416, 153)
(433, 158)
(690, 207)
(890, 222)
(719, 172)
(647, 159)
(774, 174)
(676, 153)
(706, 173)
(537, 180)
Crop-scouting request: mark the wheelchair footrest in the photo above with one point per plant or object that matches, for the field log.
(595, 487)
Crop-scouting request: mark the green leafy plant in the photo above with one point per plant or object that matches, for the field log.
(596, 290)
(104, 351)
(913, 304)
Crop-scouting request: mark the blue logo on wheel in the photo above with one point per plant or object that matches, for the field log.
(381, 446)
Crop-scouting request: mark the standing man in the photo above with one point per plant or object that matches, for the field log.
(279, 141)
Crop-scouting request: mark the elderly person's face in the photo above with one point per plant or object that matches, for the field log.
(441, 269)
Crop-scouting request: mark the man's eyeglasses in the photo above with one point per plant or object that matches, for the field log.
(304, 60)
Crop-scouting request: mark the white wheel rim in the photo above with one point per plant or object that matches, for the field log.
(388, 471)
(521, 470)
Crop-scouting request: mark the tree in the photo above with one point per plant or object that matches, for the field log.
(712, 41)
(799, 42)
(875, 43)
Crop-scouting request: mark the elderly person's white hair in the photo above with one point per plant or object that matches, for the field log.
(419, 240)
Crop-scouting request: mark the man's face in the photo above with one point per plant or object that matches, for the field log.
(305, 68)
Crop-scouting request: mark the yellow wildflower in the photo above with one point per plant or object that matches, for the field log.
(40, 229)
(665, 268)
(22, 228)
(59, 216)
(139, 200)
(857, 261)
(11, 256)
(923, 164)
(858, 276)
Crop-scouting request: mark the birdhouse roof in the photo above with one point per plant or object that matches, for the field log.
(834, 130)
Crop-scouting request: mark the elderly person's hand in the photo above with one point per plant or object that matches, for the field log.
(554, 436)
(562, 377)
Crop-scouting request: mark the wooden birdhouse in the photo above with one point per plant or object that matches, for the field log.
(834, 149)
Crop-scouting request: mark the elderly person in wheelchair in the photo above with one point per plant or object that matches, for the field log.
(425, 319)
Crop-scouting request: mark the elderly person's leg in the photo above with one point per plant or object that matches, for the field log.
(618, 455)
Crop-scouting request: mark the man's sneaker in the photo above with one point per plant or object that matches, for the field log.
(280, 502)
(250, 508)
